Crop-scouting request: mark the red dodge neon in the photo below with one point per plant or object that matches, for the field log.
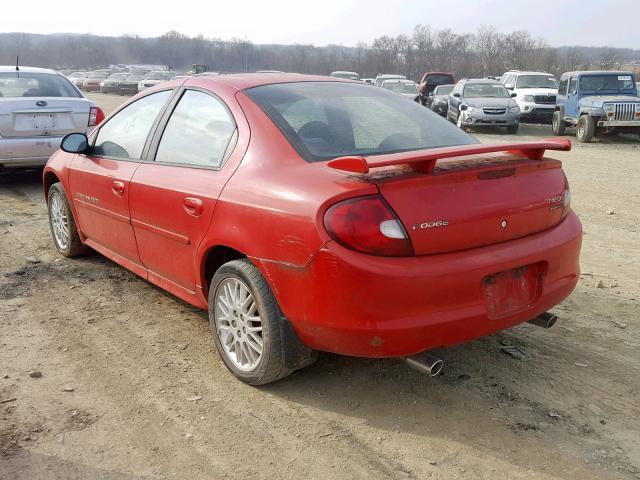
(314, 214)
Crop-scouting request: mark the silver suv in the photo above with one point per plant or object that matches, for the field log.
(535, 94)
(37, 108)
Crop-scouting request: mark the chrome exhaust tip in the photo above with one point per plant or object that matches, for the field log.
(425, 363)
(546, 320)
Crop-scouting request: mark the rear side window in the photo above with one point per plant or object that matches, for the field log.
(197, 133)
(324, 120)
(125, 134)
(23, 84)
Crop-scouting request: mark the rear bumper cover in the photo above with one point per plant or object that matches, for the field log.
(27, 151)
(354, 304)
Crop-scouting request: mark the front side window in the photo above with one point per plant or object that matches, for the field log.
(573, 84)
(125, 134)
(562, 88)
(485, 90)
(198, 132)
(325, 120)
(23, 84)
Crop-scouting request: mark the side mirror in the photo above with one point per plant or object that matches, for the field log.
(514, 95)
(457, 95)
(463, 107)
(74, 143)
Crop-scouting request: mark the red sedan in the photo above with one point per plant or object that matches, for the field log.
(314, 214)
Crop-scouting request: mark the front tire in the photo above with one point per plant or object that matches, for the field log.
(557, 124)
(513, 129)
(460, 124)
(63, 226)
(585, 129)
(246, 323)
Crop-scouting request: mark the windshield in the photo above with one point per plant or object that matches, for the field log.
(118, 76)
(135, 78)
(78, 75)
(443, 90)
(400, 87)
(18, 84)
(98, 75)
(485, 90)
(536, 81)
(156, 76)
(617, 83)
(324, 120)
(349, 75)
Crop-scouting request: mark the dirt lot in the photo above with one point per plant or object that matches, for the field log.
(131, 386)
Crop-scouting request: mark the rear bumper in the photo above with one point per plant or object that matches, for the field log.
(27, 151)
(354, 304)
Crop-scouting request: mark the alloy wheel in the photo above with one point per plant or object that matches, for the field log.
(238, 324)
(59, 221)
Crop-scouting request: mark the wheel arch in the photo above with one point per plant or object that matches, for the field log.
(49, 178)
(212, 259)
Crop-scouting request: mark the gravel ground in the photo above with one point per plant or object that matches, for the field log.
(104, 376)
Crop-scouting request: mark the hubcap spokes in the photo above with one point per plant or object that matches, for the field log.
(238, 324)
(59, 221)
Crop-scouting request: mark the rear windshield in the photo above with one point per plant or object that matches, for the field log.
(485, 90)
(612, 83)
(117, 76)
(536, 81)
(18, 84)
(324, 120)
(98, 75)
(135, 78)
(443, 90)
(438, 79)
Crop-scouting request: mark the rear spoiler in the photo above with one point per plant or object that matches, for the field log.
(425, 160)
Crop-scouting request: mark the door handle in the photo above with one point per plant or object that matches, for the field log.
(193, 206)
(118, 188)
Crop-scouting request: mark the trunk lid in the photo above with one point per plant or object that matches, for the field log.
(456, 198)
(469, 204)
(47, 116)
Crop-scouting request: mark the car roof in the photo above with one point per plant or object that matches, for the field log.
(243, 81)
(481, 80)
(12, 68)
(520, 72)
(598, 72)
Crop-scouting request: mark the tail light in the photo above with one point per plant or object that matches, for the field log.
(368, 225)
(566, 199)
(96, 115)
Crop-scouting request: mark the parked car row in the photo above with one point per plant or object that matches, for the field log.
(124, 83)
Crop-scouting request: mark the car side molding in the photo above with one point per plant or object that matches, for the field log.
(424, 161)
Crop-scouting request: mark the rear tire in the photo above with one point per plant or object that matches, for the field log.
(557, 124)
(63, 226)
(585, 129)
(247, 323)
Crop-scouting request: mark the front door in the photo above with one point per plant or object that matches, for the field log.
(99, 181)
(571, 105)
(173, 197)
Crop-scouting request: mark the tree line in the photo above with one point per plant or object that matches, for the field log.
(486, 52)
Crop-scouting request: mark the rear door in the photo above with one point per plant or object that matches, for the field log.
(173, 197)
(99, 181)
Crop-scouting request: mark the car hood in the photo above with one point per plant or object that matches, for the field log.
(490, 102)
(599, 100)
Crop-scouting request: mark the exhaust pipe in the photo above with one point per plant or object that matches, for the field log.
(546, 320)
(425, 363)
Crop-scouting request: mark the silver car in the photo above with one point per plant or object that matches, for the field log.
(37, 108)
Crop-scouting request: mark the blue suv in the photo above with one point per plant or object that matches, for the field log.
(597, 103)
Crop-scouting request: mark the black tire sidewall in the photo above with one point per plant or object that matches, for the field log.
(588, 128)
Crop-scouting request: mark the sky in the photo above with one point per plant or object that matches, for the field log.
(613, 23)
